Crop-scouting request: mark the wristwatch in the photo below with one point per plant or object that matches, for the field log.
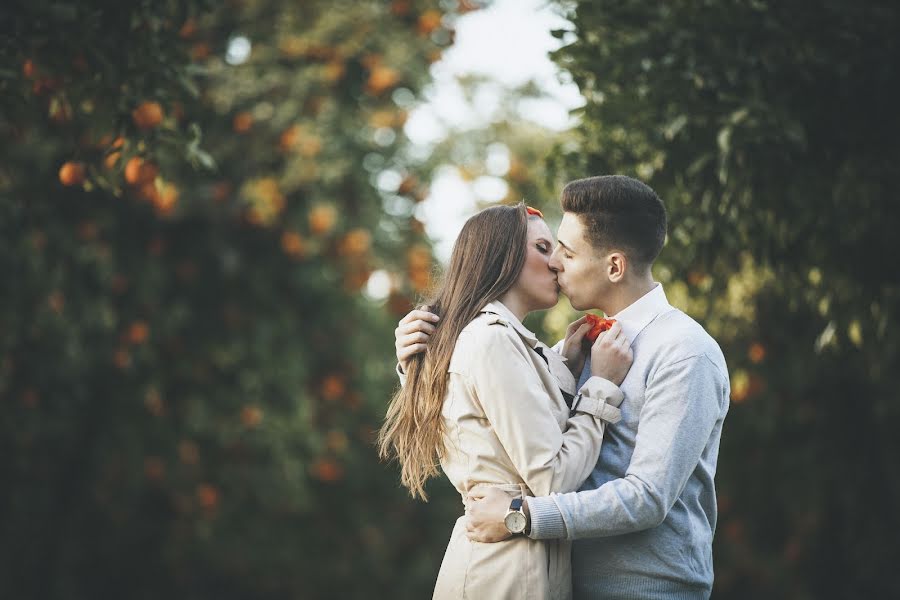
(515, 519)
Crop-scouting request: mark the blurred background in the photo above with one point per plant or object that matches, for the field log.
(212, 215)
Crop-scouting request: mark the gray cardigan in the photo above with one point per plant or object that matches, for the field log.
(644, 519)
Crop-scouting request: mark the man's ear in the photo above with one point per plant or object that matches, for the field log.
(616, 265)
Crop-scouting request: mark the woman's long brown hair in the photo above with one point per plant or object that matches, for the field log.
(486, 261)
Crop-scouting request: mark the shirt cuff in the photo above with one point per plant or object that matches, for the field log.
(546, 520)
(401, 375)
(600, 398)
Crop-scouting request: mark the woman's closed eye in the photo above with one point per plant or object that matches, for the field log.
(543, 248)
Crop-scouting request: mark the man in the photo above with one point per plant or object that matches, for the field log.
(643, 522)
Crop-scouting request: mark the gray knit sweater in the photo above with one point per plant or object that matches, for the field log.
(644, 520)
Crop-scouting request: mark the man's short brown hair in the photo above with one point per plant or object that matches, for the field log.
(619, 213)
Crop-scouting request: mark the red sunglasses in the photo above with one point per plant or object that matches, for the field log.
(534, 211)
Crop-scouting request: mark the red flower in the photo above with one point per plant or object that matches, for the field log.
(598, 326)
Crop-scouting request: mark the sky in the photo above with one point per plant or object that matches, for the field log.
(508, 42)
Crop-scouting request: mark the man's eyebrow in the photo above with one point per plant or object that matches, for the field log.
(564, 245)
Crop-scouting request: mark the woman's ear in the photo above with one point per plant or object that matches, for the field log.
(616, 265)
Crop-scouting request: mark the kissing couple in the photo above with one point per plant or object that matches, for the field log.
(586, 469)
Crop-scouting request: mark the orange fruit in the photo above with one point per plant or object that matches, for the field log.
(382, 79)
(200, 51)
(138, 171)
(138, 332)
(242, 122)
(355, 243)
(112, 159)
(429, 21)
(207, 495)
(322, 218)
(293, 244)
(289, 138)
(251, 416)
(756, 352)
(332, 387)
(188, 30)
(147, 115)
(400, 7)
(71, 173)
(165, 200)
(328, 470)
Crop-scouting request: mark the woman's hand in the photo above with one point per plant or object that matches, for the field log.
(611, 355)
(573, 346)
(412, 335)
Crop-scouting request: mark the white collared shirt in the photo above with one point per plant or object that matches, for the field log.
(637, 315)
(632, 319)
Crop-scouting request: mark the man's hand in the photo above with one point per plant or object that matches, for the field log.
(573, 346)
(611, 355)
(486, 507)
(412, 335)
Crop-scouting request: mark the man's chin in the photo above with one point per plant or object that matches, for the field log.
(573, 302)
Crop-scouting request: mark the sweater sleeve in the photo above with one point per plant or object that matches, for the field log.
(682, 405)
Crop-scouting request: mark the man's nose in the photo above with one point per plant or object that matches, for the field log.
(555, 264)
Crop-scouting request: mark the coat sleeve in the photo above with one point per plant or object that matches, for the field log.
(503, 380)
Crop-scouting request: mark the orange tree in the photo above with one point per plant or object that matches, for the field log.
(769, 129)
(191, 373)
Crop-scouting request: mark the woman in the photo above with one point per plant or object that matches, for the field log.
(487, 402)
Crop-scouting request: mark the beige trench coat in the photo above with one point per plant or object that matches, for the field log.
(508, 425)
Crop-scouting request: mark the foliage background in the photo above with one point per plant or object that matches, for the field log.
(191, 375)
(770, 130)
(190, 369)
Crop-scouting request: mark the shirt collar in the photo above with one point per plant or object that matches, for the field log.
(637, 315)
(498, 308)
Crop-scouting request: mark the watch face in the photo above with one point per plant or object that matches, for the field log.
(516, 522)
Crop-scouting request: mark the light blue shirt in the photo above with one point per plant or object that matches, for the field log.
(644, 519)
